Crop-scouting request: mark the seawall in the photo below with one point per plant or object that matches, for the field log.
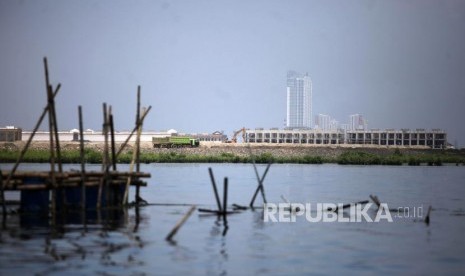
(244, 150)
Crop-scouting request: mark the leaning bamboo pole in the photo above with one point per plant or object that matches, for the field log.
(28, 143)
(180, 223)
(131, 167)
(133, 131)
(51, 125)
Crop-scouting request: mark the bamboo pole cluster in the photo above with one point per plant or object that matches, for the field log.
(56, 178)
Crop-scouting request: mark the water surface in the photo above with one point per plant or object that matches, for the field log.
(134, 243)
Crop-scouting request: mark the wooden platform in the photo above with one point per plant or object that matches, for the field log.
(36, 180)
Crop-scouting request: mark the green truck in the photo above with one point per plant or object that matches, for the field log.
(175, 142)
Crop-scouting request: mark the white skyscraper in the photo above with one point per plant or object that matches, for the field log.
(299, 100)
(357, 122)
(322, 121)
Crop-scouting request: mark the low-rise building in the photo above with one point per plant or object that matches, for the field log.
(434, 138)
(10, 134)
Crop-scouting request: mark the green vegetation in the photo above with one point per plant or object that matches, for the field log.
(397, 158)
(350, 157)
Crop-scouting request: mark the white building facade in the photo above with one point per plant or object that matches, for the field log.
(299, 100)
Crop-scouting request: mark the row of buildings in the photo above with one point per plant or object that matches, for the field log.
(11, 134)
(435, 138)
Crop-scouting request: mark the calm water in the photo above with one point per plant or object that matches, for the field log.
(135, 245)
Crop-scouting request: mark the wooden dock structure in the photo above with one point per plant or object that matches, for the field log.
(56, 189)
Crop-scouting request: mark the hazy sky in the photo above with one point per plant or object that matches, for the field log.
(221, 65)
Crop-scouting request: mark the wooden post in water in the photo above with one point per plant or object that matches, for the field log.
(57, 145)
(113, 150)
(139, 130)
(105, 163)
(180, 223)
(375, 200)
(51, 136)
(212, 178)
(107, 158)
(136, 153)
(83, 167)
(131, 168)
(225, 199)
(54, 117)
(260, 186)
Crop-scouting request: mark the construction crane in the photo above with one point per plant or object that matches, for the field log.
(234, 138)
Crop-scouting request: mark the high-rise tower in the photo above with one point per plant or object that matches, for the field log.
(299, 100)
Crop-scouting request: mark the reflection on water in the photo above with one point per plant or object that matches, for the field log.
(132, 241)
(32, 243)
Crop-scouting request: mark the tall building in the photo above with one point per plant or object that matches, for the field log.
(322, 121)
(299, 100)
(357, 122)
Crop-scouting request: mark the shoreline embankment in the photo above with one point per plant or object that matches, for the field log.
(244, 153)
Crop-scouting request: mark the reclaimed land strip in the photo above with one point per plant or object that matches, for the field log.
(239, 153)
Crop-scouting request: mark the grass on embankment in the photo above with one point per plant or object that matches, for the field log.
(349, 157)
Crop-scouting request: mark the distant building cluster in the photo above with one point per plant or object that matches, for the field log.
(300, 108)
(327, 130)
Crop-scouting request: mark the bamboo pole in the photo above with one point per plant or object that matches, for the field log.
(105, 165)
(112, 136)
(83, 167)
(225, 198)
(138, 122)
(260, 186)
(139, 130)
(212, 178)
(57, 145)
(131, 169)
(50, 101)
(180, 223)
(28, 143)
(107, 156)
(260, 182)
(133, 131)
(375, 200)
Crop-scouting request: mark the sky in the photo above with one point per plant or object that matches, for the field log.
(221, 65)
